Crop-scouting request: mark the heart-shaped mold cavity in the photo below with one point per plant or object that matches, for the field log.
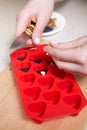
(42, 70)
(57, 72)
(52, 96)
(61, 74)
(29, 78)
(46, 82)
(24, 66)
(66, 85)
(74, 101)
(49, 61)
(36, 58)
(32, 92)
(20, 55)
(37, 108)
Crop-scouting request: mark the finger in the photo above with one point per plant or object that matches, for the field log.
(29, 42)
(40, 25)
(22, 23)
(70, 44)
(70, 55)
(69, 66)
(64, 45)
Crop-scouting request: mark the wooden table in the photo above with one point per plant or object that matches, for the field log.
(12, 116)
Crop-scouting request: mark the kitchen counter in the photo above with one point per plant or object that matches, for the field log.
(12, 116)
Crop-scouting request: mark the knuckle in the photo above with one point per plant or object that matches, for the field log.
(83, 59)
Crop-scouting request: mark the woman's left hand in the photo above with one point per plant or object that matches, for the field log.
(70, 56)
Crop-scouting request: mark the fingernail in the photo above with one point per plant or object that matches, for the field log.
(37, 40)
(54, 42)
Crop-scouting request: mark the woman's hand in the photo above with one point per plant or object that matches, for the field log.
(38, 11)
(70, 56)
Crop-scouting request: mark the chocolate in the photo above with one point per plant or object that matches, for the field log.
(24, 69)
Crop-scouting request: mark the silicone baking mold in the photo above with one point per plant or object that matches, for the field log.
(46, 91)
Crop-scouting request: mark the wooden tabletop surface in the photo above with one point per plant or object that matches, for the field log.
(12, 116)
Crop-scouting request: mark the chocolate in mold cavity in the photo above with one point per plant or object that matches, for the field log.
(24, 66)
(21, 58)
(21, 55)
(36, 61)
(42, 70)
(36, 58)
(24, 69)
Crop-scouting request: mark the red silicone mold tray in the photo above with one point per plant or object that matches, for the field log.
(45, 90)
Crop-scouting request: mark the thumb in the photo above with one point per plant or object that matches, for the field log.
(39, 28)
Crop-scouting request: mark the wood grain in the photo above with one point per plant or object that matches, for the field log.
(12, 116)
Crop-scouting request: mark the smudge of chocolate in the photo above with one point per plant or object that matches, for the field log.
(36, 61)
(48, 29)
(24, 69)
(21, 58)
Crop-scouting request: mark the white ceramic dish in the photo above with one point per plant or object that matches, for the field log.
(60, 23)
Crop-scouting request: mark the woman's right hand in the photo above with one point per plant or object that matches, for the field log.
(38, 11)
